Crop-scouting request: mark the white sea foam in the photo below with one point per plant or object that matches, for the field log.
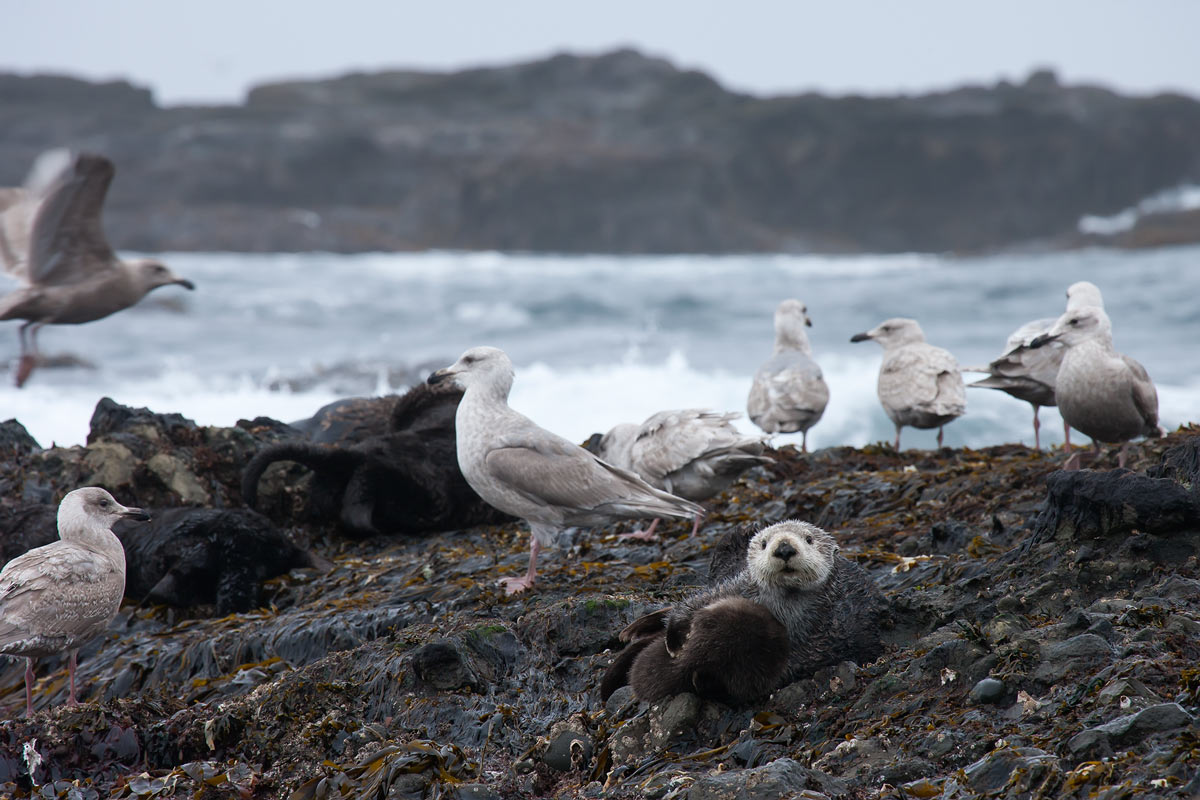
(597, 340)
(1175, 200)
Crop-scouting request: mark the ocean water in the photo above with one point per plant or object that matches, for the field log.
(596, 340)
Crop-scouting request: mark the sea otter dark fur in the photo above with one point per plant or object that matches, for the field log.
(183, 556)
(830, 606)
(406, 480)
(732, 651)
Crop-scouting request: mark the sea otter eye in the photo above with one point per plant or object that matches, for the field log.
(808, 539)
(764, 544)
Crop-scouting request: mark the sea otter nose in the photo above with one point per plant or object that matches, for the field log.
(784, 551)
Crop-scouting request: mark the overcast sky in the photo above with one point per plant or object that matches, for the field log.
(214, 49)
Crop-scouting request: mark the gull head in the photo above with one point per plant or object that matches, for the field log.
(479, 366)
(891, 333)
(1076, 326)
(616, 446)
(92, 509)
(151, 274)
(1082, 294)
(791, 318)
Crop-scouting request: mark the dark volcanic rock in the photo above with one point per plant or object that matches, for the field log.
(403, 670)
(1085, 504)
(611, 153)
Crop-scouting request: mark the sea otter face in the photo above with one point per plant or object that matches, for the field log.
(791, 553)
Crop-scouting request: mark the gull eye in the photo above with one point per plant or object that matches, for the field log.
(105, 504)
(1074, 321)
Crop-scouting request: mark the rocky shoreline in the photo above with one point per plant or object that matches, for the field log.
(614, 153)
(1044, 642)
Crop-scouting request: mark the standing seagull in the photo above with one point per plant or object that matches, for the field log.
(789, 393)
(51, 240)
(57, 597)
(919, 384)
(531, 473)
(691, 453)
(1102, 393)
(1028, 373)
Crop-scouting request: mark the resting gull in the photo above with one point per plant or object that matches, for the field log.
(51, 240)
(1028, 373)
(919, 384)
(691, 453)
(789, 393)
(56, 597)
(1102, 393)
(531, 473)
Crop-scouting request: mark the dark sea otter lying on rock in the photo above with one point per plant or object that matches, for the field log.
(183, 556)
(406, 480)
(789, 573)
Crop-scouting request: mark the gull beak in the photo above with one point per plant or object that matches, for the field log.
(860, 337)
(185, 283)
(592, 445)
(1042, 340)
(808, 322)
(441, 375)
(135, 514)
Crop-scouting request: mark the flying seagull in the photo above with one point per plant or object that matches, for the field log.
(52, 241)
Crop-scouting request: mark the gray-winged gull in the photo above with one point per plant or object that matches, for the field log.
(1028, 373)
(56, 597)
(788, 393)
(531, 473)
(919, 385)
(1102, 393)
(691, 453)
(52, 241)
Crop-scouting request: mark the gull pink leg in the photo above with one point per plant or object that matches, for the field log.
(696, 525)
(647, 535)
(804, 442)
(939, 437)
(896, 446)
(71, 700)
(1037, 426)
(517, 585)
(29, 687)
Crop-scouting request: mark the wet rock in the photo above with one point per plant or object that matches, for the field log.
(109, 465)
(988, 690)
(672, 719)
(781, 778)
(402, 669)
(111, 419)
(178, 478)
(1101, 741)
(15, 439)
(569, 750)
(1085, 504)
(1013, 772)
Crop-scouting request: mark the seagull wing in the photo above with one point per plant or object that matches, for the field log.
(1145, 396)
(67, 243)
(56, 590)
(552, 472)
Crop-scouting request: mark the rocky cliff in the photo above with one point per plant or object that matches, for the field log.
(1044, 642)
(616, 153)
